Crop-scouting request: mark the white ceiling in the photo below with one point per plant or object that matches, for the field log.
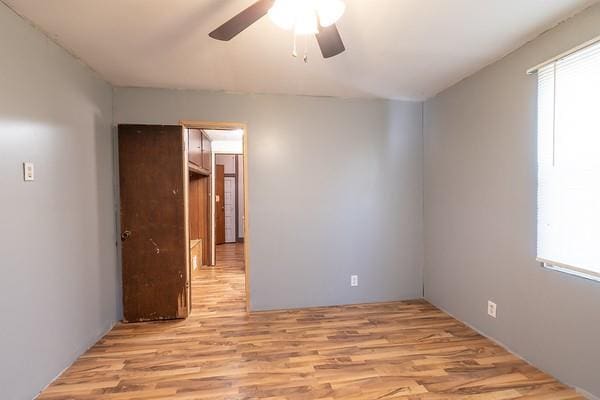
(408, 49)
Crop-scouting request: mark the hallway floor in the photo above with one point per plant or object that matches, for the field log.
(406, 350)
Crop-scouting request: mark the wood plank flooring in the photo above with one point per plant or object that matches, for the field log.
(403, 350)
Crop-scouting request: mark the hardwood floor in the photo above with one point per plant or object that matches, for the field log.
(404, 350)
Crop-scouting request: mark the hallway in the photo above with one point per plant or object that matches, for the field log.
(221, 289)
(395, 350)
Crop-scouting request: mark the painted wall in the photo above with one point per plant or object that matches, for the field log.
(480, 215)
(58, 273)
(227, 161)
(335, 188)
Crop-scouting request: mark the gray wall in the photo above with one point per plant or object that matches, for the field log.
(480, 216)
(58, 274)
(335, 188)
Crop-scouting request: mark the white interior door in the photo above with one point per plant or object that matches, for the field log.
(229, 209)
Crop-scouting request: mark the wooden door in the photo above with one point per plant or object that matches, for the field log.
(154, 231)
(220, 204)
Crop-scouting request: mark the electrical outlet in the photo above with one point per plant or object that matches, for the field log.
(491, 309)
(353, 280)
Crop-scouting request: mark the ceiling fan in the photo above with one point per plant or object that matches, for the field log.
(304, 17)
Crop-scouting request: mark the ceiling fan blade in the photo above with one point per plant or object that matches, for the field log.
(243, 20)
(330, 41)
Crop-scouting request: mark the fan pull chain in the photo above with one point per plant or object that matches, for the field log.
(305, 49)
(294, 51)
(295, 48)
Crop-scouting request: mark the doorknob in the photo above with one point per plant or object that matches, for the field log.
(125, 235)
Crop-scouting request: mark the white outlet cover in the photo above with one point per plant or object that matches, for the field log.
(492, 308)
(28, 171)
(353, 280)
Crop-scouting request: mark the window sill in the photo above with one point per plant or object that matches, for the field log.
(569, 271)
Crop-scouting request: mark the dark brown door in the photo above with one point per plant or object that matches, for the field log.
(153, 222)
(220, 204)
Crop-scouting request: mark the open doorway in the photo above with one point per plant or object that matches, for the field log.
(229, 201)
(219, 249)
(178, 185)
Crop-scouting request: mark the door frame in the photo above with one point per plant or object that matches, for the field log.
(219, 190)
(199, 124)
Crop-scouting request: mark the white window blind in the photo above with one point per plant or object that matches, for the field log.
(568, 220)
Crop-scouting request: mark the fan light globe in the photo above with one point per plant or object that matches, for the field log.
(330, 11)
(302, 15)
(283, 13)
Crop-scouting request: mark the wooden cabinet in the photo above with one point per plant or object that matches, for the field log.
(200, 208)
(206, 152)
(199, 151)
(199, 213)
(195, 139)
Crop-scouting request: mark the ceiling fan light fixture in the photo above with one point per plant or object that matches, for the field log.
(306, 23)
(283, 14)
(330, 11)
(303, 16)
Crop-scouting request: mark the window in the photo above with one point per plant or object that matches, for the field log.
(568, 219)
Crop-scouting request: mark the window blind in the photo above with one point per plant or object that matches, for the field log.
(568, 197)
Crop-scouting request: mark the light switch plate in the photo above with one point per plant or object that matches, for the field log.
(28, 171)
(492, 309)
